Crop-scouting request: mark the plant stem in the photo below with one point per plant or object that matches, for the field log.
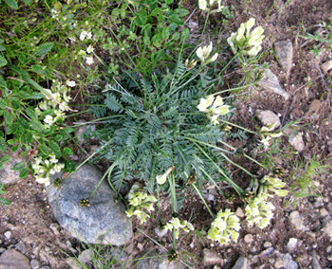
(229, 62)
(238, 126)
(202, 198)
(234, 89)
(214, 182)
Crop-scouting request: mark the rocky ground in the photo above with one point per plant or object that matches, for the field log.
(300, 233)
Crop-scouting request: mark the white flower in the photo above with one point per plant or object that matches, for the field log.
(43, 180)
(89, 60)
(53, 158)
(202, 4)
(214, 119)
(71, 83)
(49, 119)
(83, 35)
(90, 49)
(58, 167)
(205, 103)
(88, 35)
(162, 179)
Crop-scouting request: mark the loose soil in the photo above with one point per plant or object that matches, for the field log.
(30, 218)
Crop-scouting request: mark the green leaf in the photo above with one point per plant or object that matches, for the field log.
(141, 18)
(15, 148)
(67, 152)
(1, 166)
(31, 113)
(27, 2)
(11, 142)
(6, 159)
(44, 49)
(175, 19)
(3, 144)
(36, 125)
(157, 40)
(2, 48)
(36, 95)
(12, 3)
(23, 154)
(169, 1)
(44, 149)
(156, 11)
(8, 118)
(58, 137)
(3, 61)
(4, 201)
(24, 173)
(54, 146)
(19, 166)
(22, 139)
(3, 104)
(181, 12)
(29, 137)
(70, 166)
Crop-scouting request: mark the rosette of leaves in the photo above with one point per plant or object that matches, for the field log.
(150, 125)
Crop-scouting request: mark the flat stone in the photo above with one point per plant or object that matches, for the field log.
(284, 53)
(329, 249)
(12, 259)
(314, 262)
(7, 235)
(286, 261)
(34, 264)
(211, 257)
(239, 212)
(2, 250)
(297, 221)
(270, 82)
(296, 140)
(268, 117)
(103, 222)
(328, 228)
(267, 244)
(55, 229)
(73, 263)
(241, 263)
(20, 247)
(326, 66)
(292, 244)
(323, 212)
(7, 174)
(86, 256)
(248, 238)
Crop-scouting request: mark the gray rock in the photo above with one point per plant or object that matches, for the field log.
(296, 140)
(86, 256)
(329, 249)
(155, 260)
(7, 174)
(314, 262)
(248, 238)
(103, 222)
(20, 247)
(12, 259)
(286, 261)
(2, 250)
(73, 263)
(241, 263)
(326, 66)
(284, 53)
(328, 228)
(211, 257)
(7, 235)
(118, 255)
(270, 82)
(292, 244)
(34, 264)
(55, 229)
(268, 117)
(297, 221)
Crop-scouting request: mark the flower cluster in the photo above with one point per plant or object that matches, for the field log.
(138, 201)
(259, 212)
(204, 52)
(258, 209)
(44, 168)
(246, 41)
(213, 108)
(207, 5)
(57, 105)
(225, 227)
(176, 224)
(266, 134)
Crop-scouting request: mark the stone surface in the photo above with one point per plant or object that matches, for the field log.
(211, 257)
(20, 247)
(12, 259)
(103, 222)
(73, 263)
(286, 261)
(241, 263)
(270, 82)
(292, 244)
(7, 174)
(85, 256)
(248, 238)
(326, 66)
(34, 264)
(296, 140)
(284, 53)
(314, 262)
(7, 235)
(239, 212)
(297, 221)
(268, 117)
(328, 228)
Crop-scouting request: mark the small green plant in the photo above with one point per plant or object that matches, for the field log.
(3, 201)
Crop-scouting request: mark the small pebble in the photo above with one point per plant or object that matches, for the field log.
(267, 244)
(8, 234)
(249, 239)
(34, 264)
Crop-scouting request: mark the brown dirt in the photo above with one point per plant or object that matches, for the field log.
(30, 217)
